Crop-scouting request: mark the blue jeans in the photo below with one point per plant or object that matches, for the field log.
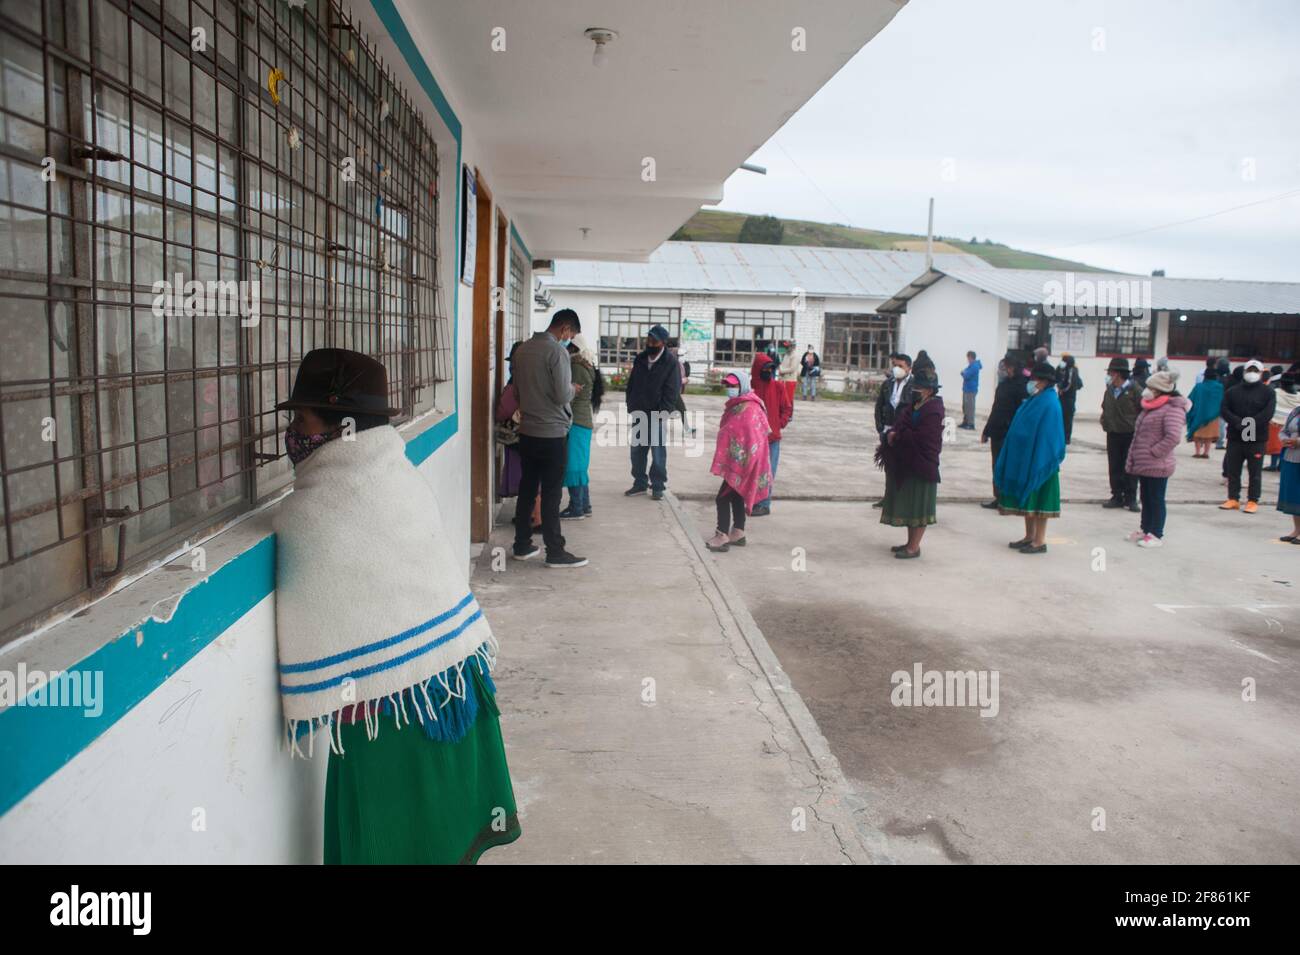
(1153, 504)
(580, 498)
(654, 448)
(808, 386)
(774, 455)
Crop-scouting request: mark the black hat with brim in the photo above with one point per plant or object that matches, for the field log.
(925, 378)
(1043, 370)
(336, 379)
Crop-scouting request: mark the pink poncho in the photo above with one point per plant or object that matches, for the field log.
(742, 458)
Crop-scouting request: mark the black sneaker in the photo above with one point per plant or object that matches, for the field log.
(569, 514)
(761, 510)
(565, 559)
(1134, 506)
(1112, 503)
(657, 495)
(634, 490)
(989, 505)
(532, 551)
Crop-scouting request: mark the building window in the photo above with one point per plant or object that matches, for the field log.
(623, 330)
(516, 311)
(1267, 337)
(197, 238)
(1126, 336)
(861, 342)
(1026, 328)
(740, 334)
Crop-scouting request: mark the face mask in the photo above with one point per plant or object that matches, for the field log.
(1031, 386)
(898, 372)
(733, 392)
(1148, 394)
(655, 349)
(1251, 376)
(300, 446)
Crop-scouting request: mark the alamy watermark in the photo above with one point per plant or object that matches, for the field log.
(922, 687)
(1089, 298)
(82, 689)
(215, 298)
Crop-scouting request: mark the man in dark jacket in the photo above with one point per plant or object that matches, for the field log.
(1006, 399)
(1120, 405)
(895, 392)
(1068, 384)
(810, 369)
(1248, 408)
(652, 391)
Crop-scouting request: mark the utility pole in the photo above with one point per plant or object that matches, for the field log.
(929, 239)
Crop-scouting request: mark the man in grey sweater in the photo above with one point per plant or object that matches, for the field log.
(542, 374)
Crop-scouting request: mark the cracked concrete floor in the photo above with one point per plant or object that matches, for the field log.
(638, 724)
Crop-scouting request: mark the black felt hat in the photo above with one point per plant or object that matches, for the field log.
(336, 379)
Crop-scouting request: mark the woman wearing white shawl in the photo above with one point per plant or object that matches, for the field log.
(377, 630)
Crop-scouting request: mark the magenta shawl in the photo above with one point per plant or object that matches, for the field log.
(741, 458)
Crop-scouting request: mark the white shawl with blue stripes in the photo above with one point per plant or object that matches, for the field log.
(371, 599)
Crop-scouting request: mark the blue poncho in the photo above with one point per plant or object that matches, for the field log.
(1207, 399)
(1033, 448)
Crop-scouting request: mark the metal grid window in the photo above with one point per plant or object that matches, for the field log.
(517, 311)
(1027, 328)
(1126, 336)
(624, 328)
(1272, 337)
(176, 231)
(860, 342)
(740, 334)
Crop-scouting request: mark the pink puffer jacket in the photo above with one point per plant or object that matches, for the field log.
(1158, 432)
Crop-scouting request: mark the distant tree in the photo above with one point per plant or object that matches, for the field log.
(1158, 273)
(763, 230)
(974, 241)
(989, 242)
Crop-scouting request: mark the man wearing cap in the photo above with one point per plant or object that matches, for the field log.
(652, 391)
(1120, 405)
(1248, 408)
(542, 372)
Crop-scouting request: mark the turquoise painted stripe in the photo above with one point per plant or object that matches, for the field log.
(383, 644)
(36, 742)
(514, 233)
(387, 664)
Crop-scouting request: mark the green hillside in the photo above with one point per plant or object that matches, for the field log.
(713, 225)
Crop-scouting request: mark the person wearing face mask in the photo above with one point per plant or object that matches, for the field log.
(780, 408)
(895, 392)
(1203, 419)
(384, 654)
(1068, 385)
(1119, 410)
(1006, 399)
(909, 455)
(652, 391)
(741, 459)
(1028, 469)
(543, 373)
(1248, 408)
(1288, 490)
(1159, 431)
(1273, 378)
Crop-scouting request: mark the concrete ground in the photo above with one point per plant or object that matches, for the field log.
(1121, 733)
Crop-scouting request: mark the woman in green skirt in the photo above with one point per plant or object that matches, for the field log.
(909, 453)
(1027, 474)
(383, 649)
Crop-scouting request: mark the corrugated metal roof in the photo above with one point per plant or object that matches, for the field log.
(743, 268)
(1035, 286)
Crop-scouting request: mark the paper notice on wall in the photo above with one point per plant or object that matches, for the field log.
(1067, 337)
(697, 330)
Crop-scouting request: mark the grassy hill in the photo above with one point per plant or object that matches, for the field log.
(713, 225)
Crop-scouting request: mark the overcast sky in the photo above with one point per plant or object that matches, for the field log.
(1023, 133)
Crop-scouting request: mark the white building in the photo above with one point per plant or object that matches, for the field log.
(723, 301)
(1094, 316)
(330, 157)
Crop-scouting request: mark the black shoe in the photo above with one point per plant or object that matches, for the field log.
(1020, 544)
(532, 551)
(897, 547)
(760, 510)
(569, 514)
(1134, 506)
(634, 490)
(586, 512)
(878, 504)
(989, 505)
(904, 554)
(1113, 503)
(657, 495)
(1031, 549)
(565, 559)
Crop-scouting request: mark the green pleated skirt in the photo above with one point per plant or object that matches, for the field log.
(405, 799)
(909, 504)
(1043, 502)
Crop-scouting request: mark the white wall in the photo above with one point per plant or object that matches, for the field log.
(947, 320)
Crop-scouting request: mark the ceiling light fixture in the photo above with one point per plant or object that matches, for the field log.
(600, 36)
